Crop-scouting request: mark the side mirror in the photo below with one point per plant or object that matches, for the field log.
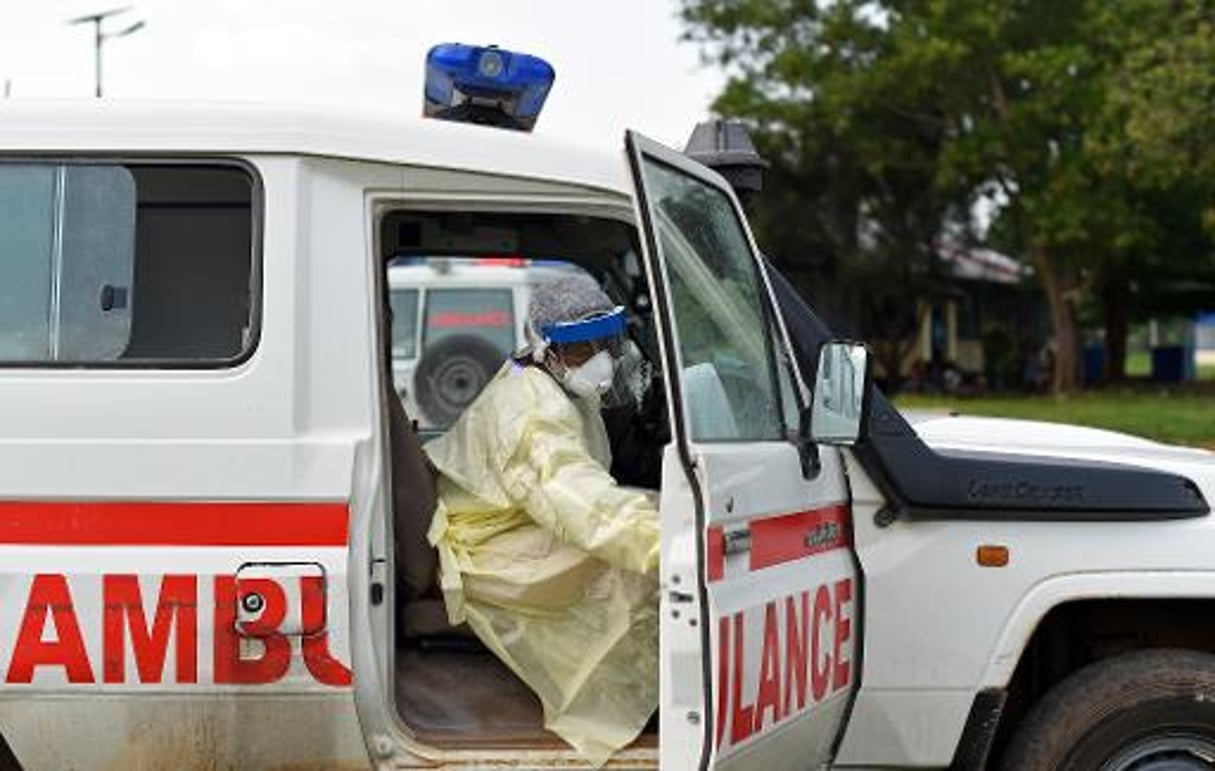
(841, 394)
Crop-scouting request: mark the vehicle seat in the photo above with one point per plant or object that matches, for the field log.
(712, 416)
(421, 611)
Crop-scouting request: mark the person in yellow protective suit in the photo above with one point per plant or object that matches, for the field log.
(550, 562)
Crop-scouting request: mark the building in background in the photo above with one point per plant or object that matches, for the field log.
(989, 331)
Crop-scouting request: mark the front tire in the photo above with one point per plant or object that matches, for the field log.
(1151, 710)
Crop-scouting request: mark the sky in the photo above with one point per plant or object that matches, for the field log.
(620, 64)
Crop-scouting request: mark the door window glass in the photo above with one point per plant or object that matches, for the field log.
(726, 350)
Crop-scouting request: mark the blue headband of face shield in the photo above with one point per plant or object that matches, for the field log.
(606, 325)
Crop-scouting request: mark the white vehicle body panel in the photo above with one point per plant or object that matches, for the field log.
(31, 126)
(940, 628)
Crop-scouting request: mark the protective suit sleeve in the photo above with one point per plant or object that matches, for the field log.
(552, 475)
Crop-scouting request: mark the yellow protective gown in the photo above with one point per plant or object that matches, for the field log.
(550, 562)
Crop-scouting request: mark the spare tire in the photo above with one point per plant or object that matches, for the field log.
(451, 374)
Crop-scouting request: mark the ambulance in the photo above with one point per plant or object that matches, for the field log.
(213, 501)
(454, 320)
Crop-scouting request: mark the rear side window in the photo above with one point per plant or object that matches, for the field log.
(484, 313)
(114, 264)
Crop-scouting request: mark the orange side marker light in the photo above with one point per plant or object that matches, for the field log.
(991, 556)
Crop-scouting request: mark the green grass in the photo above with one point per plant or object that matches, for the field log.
(1179, 416)
(1138, 364)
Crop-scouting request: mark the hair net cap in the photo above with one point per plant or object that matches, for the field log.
(570, 298)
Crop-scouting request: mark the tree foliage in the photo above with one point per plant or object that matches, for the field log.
(886, 121)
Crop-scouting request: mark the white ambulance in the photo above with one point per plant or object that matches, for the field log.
(212, 501)
(454, 321)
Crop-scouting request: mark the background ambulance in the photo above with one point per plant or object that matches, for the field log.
(455, 321)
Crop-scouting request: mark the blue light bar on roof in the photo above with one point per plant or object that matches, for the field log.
(486, 85)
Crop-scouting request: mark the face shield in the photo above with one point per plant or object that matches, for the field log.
(586, 351)
(602, 331)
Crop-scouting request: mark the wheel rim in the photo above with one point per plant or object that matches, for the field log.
(1175, 752)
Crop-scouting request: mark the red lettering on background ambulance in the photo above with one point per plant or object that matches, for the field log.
(450, 319)
(275, 658)
(177, 604)
(49, 593)
(320, 662)
(813, 652)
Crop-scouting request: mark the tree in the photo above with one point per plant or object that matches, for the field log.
(1159, 118)
(1153, 139)
(1004, 101)
(850, 209)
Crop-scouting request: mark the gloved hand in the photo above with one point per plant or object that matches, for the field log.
(651, 421)
(638, 433)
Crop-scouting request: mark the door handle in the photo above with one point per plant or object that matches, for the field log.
(285, 598)
(737, 541)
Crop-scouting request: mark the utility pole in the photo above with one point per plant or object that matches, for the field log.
(100, 36)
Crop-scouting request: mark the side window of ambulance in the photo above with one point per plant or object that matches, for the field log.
(730, 384)
(67, 245)
(109, 264)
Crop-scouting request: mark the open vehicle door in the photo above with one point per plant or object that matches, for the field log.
(760, 635)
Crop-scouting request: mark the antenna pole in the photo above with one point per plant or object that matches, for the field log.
(100, 36)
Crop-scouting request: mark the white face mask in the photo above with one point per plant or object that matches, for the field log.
(593, 378)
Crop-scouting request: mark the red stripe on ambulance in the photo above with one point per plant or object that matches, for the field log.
(783, 538)
(187, 523)
(715, 545)
(805, 658)
(776, 540)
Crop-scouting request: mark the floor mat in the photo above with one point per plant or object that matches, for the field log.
(466, 696)
(462, 695)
